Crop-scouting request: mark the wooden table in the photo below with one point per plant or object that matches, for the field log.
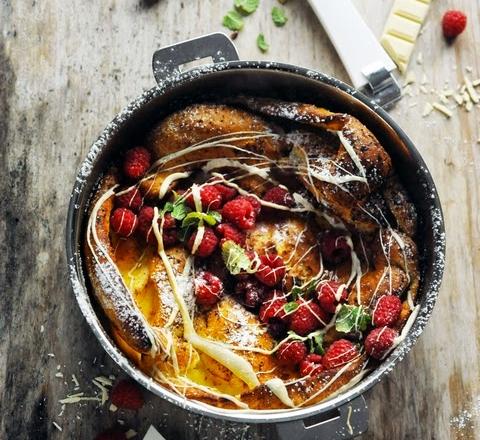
(65, 69)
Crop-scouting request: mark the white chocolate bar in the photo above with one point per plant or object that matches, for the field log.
(412, 9)
(402, 29)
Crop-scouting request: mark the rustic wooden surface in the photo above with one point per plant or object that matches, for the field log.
(65, 69)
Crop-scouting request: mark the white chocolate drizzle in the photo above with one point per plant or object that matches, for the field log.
(277, 387)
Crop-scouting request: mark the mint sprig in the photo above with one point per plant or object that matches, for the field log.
(352, 319)
(195, 218)
(306, 289)
(177, 208)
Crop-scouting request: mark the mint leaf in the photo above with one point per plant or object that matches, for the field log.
(352, 319)
(235, 258)
(180, 210)
(316, 344)
(215, 215)
(246, 7)
(290, 307)
(305, 289)
(194, 218)
(261, 43)
(167, 208)
(278, 16)
(296, 292)
(233, 21)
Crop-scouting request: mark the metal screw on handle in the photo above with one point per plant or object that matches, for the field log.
(346, 422)
(168, 60)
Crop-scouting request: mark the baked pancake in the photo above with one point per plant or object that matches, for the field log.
(259, 255)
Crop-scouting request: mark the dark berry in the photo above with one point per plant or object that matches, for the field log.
(277, 328)
(334, 247)
(279, 196)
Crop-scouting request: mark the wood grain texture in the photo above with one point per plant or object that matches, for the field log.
(65, 69)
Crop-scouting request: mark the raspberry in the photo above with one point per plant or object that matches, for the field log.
(257, 206)
(145, 218)
(131, 200)
(292, 352)
(123, 222)
(111, 434)
(307, 318)
(229, 232)
(208, 289)
(273, 307)
(271, 269)
(210, 197)
(228, 193)
(240, 212)
(207, 245)
(279, 196)
(145, 228)
(339, 353)
(453, 23)
(327, 293)
(334, 246)
(136, 163)
(311, 365)
(386, 311)
(379, 341)
(127, 395)
(253, 291)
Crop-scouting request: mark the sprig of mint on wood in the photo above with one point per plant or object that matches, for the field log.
(234, 19)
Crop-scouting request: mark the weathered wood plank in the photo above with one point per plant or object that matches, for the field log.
(65, 70)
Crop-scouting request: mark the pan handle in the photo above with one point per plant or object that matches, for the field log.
(346, 422)
(167, 61)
